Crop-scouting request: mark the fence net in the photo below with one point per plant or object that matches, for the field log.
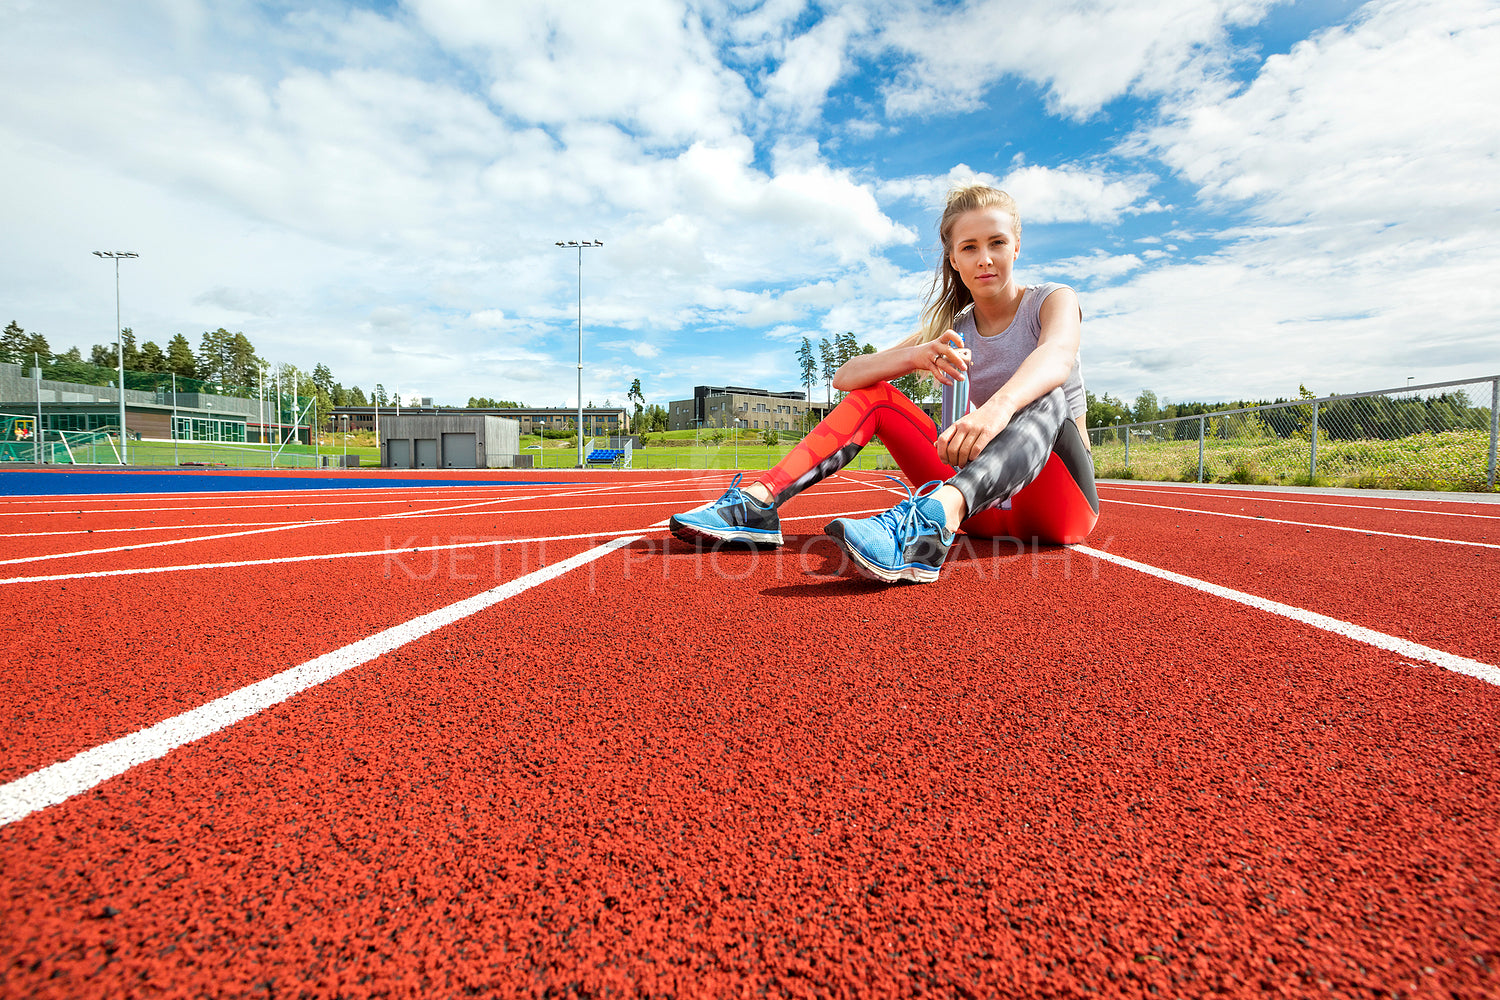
(1396, 439)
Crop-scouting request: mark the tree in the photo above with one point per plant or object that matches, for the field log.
(916, 386)
(846, 346)
(243, 364)
(12, 343)
(322, 385)
(639, 399)
(102, 355)
(1106, 410)
(830, 364)
(132, 353)
(69, 366)
(1146, 408)
(356, 397)
(378, 397)
(151, 358)
(216, 355)
(807, 365)
(180, 360)
(17, 347)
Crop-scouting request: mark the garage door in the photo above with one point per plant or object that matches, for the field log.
(459, 451)
(398, 450)
(427, 453)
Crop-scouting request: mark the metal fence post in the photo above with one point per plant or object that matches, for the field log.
(1200, 448)
(1312, 461)
(1494, 424)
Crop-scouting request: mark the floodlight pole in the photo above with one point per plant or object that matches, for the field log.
(117, 256)
(580, 245)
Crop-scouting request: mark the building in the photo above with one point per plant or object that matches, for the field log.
(157, 412)
(756, 409)
(452, 440)
(598, 421)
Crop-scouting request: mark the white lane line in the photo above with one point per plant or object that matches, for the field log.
(74, 511)
(431, 512)
(1258, 498)
(476, 543)
(1310, 524)
(77, 505)
(1486, 672)
(59, 782)
(355, 499)
(149, 527)
(160, 544)
(70, 498)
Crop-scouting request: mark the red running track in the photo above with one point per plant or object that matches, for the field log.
(671, 772)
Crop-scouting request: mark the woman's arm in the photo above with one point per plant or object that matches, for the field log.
(1044, 369)
(940, 358)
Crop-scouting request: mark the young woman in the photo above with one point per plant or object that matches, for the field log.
(1015, 465)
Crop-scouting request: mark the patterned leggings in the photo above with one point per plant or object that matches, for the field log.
(1038, 463)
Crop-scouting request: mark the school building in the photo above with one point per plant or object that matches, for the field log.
(755, 409)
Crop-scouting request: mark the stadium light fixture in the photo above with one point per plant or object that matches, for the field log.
(117, 256)
(579, 246)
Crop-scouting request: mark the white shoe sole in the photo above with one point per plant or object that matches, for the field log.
(910, 574)
(695, 534)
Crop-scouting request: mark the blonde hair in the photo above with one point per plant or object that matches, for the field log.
(948, 295)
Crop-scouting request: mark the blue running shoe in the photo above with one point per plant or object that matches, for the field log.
(907, 542)
(734, 517)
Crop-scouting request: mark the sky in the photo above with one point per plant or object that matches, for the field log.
(1248, 195)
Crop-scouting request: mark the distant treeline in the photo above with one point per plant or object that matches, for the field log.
(225, 363)
(1364, 417)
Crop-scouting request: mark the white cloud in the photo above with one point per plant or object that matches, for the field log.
(1096, 265)
(639, 348)
(811, 64)
(647, 64)
(381, 190)
(1366, 153)
(1069, 193)
(1083, 53)
(1385, 120)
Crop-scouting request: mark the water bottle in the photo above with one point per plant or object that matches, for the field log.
(955, 396)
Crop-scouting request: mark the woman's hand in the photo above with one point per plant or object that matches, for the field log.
(966, 437)
(946, 357)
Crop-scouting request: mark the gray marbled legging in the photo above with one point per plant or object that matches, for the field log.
(1015, 456)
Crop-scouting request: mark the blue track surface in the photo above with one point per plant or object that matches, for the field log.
(29, 483)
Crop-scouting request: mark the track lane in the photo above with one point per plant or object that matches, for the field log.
(99, 658)
(1431, 593)
(1465, 525)
(1035, 794)
(116, 668)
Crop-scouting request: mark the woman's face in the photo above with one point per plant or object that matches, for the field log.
(984, 250)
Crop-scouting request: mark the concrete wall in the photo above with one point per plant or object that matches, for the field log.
(500, 443)
(17, 387)
(496, 440)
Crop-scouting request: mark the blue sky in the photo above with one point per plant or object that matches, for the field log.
(1248, 195)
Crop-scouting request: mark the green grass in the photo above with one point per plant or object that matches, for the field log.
(1449, 460)
(237, 456)
(750, 454)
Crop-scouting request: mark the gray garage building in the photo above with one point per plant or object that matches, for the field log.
(450, 441)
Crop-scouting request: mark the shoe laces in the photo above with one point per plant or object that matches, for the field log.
(906, 518)
(734, 495)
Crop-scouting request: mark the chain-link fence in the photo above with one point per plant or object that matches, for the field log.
(1439, 436)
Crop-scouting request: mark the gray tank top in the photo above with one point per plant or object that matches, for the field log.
(997, 358)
